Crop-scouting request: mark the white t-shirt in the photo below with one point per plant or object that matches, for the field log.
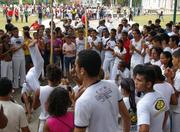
(126, 29)
(147, 55)
(15, 115)
(43, 96)
(118, 36)
(97, 108)
(150, 111)
(76, 89)
(126, 101)
(136, 58)
(80, 45)
(173, 50)
(111, 44)
(166, 90)
(104, 41)
(117, 51)
(17, 42)
(167, 49)
(163, 69)
(158, 63)
(125, 73)
(171, 34)
(100, 29)
(177, 87)
(69, 47)
(96, 42)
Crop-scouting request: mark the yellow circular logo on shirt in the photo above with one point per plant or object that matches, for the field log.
(160, 104)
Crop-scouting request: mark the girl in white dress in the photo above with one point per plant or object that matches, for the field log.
(119, 53)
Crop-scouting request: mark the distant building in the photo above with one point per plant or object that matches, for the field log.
(166, 5)
(91, 2)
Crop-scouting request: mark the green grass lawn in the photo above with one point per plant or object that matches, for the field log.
(143, 20)
(31, 19)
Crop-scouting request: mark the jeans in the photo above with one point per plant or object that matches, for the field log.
(68, 61)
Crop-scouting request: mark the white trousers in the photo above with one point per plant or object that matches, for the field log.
(19, 71)
(32, 77)
(108, 65)
(6, 69)
(175, 122)
(37, 60)
(41, 125)
(114, 71)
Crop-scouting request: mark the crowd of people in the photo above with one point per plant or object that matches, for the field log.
(125, 78)
(61, 11)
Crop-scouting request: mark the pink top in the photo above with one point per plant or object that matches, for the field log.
(63, 123)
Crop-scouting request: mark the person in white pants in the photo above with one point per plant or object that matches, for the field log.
(109, 58)
(6, 62)
(18, 59)
(137, 50)
(119, 53)
(31, 83)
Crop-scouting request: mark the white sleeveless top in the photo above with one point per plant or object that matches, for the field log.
(44, 94)
(136, 58)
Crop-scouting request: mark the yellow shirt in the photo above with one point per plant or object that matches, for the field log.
(27, 42)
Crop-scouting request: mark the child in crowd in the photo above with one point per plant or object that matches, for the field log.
(155, 56)
(119, 53)
(123, 72)
(60, 119)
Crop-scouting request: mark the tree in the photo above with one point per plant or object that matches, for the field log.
(123, 2)
(106, 2)
(126, 2)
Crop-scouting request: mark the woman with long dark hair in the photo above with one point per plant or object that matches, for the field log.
(166, 60)
(130, 100)
(119, 53)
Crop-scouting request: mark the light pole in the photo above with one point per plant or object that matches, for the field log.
(175, 8)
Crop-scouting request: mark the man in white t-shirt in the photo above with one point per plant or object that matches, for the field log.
(151, 108)
(14, 112)
(96, 110)
(18, 59)
(165, 89)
